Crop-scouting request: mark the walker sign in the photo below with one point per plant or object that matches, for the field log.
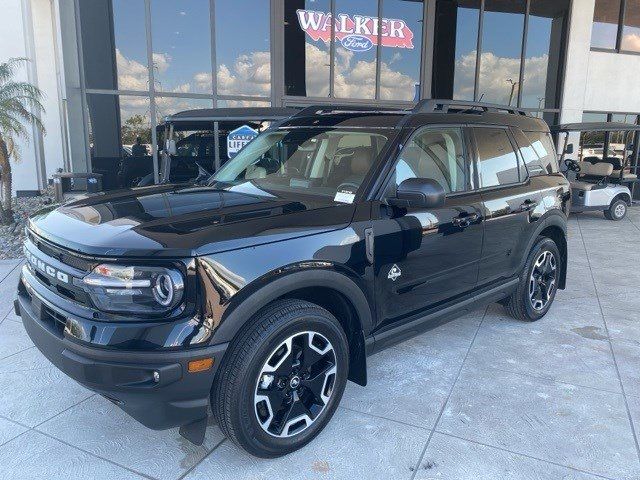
(238, 138)
(357, 33)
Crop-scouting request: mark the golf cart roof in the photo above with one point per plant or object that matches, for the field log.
(256, 114)
(595, 127)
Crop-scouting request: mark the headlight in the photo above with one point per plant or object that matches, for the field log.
(134, 289)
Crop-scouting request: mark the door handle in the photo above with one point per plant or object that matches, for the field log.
(465, 220)
(527, 206)
(369, 245)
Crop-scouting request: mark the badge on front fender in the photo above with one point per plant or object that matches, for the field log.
(394, 273)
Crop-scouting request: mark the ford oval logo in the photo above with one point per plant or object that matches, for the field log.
(356, 43)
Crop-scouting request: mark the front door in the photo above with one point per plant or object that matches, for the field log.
(509, 203)
(425, 257)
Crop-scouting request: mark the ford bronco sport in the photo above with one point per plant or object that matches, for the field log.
(334, 234)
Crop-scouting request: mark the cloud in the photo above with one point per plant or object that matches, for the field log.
(631, 41)
(250, 74)
(131, 105)
(161, 61)
(495, 72)
(355, 78)
(132, 75)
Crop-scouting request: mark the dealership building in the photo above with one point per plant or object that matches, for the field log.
(112, 70)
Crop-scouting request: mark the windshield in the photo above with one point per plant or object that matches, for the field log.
(314, 161)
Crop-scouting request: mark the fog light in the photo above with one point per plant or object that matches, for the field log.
(200, 365)
(156, 376)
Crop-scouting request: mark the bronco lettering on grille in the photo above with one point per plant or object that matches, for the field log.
(46, 269)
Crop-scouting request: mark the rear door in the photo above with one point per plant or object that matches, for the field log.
(425, 257)
(509, 202)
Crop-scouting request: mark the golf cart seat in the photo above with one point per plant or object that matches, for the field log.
(594, 171)
(618, 165)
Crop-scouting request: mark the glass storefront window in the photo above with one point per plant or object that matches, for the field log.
(355, 57)
(542, 56)
(400, 66)
(606, 16)
(242, 103)
(170, 105)
(503, 25)
(307, 37)
(617, 140)
(114, 44)
(243, 47)
(466, 53)
(181, 36)
(130, 42)
(120, 138)
(631, 29)
(592, 143)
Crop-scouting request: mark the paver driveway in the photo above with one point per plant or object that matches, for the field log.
(483, 397)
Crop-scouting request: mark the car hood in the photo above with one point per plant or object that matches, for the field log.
(179, 221)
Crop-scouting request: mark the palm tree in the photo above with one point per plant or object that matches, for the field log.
(20, 106)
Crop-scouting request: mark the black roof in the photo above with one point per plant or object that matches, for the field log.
(424, 112)
(374, 116)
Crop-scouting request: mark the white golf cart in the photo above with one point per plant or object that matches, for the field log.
(602, 182)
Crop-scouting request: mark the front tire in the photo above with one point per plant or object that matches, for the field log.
(538, 283)
(617, 210)
(282, 378)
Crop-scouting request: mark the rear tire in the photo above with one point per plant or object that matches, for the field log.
(617, 210)
(538, 283)
(282, 378)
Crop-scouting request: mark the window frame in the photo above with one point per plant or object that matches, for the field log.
(521, 69)
(516, 150)
(620, 30)
(469, 170)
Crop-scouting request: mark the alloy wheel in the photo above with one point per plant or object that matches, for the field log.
(542, 281)
(295, 384)
(619, 210)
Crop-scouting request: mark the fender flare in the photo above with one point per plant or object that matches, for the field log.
(265, 290)
(257, 296)
(554, 218)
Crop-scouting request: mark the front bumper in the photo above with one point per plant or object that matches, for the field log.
(126, 377)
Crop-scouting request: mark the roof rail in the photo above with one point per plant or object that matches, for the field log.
(430, 105)
(329, 109)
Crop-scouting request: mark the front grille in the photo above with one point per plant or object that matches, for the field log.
(60, 254)
(55, 320)
(49, 256)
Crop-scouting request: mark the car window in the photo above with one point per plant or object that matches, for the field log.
(542, 144)
(328, 162)
(498, 162)
(437, 154)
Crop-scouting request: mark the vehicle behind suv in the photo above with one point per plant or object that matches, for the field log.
(330, 236)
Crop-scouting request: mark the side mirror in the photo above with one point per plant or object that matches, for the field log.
(171, 147)
(569, 149)
(421, 193)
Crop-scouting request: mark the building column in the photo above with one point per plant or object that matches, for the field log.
(71, 94)
(577, 60)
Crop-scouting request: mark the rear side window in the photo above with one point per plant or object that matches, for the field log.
(538, 152)
(498, 162)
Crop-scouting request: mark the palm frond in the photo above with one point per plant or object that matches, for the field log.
(8, 68)
(20, 105)
(21, 89)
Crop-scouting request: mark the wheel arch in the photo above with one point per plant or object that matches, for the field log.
(328, 288)
(623, 196)
(553, 226)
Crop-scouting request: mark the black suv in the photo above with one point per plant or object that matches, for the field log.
(260, 292)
